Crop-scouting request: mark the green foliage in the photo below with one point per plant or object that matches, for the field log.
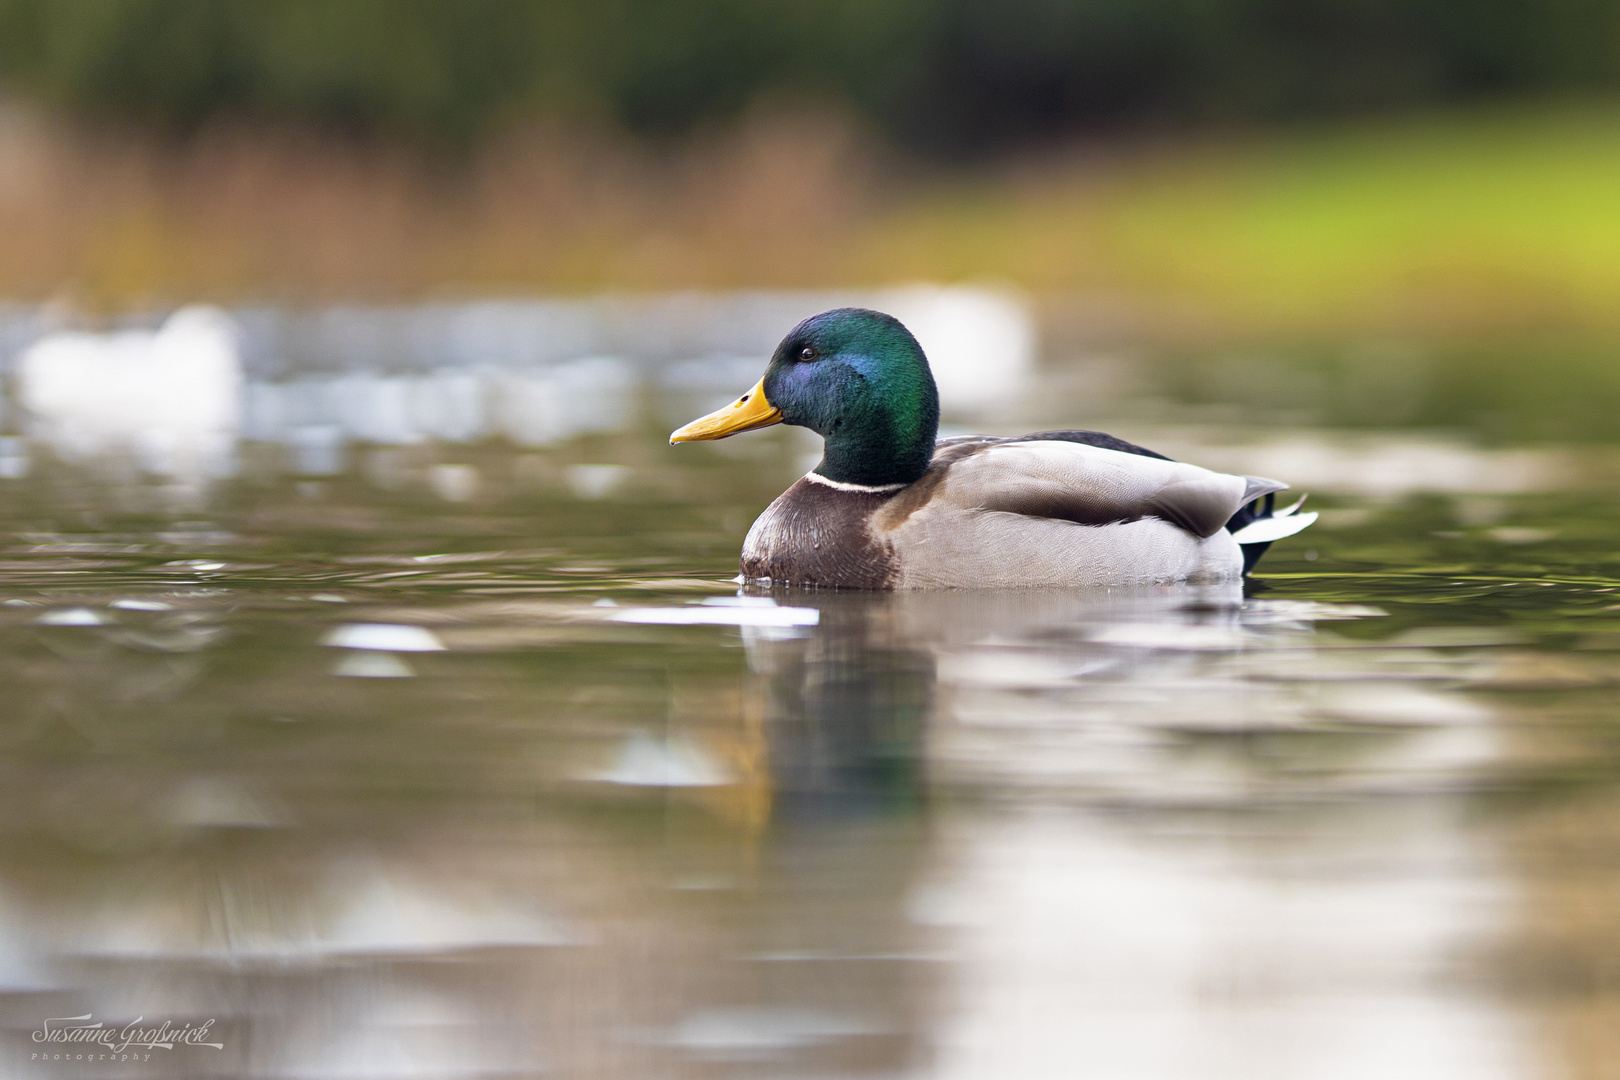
(946, 73)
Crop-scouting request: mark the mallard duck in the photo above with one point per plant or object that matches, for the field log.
(889, 507)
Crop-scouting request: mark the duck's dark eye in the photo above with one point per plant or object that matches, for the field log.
(807, 353)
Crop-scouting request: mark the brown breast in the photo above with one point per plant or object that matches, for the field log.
(818, 535)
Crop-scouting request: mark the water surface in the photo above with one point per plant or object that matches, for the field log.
(472, 761)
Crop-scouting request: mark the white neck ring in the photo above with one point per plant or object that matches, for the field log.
(839, 485)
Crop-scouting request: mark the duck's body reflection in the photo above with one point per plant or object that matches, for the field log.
(1171, 695)
(848, 705)
(1156, 888)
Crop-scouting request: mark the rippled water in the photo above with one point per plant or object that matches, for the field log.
(471, 761)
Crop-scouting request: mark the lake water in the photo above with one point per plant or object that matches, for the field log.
(469, 760)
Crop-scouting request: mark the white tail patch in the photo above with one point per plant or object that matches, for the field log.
(1265, 530)
(1291, 508)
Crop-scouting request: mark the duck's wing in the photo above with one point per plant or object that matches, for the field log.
(1070, 480)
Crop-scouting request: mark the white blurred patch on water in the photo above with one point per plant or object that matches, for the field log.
(388, 916)
(530, 406)
(141, 605)
(1092, 945)
(220, 803)
(357, 911)
(707, 615)
(454, 483)
(21, 966)
(753, 1032)
(373, 665)
(14, 458)
(178, 396)
(667, 763)
(385, 637)
(596, 481)
(170, 396)
(538, 407)
(78, 616)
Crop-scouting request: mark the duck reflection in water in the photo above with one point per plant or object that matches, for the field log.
(852, 706)
(1153, 818)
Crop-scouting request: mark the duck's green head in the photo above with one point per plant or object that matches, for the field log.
(856, 377)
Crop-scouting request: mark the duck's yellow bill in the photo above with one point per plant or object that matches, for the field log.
(748, 412)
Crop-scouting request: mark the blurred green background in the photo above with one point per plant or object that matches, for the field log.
(971, 75)
(1257, 166)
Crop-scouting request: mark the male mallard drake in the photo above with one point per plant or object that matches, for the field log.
(888, 507)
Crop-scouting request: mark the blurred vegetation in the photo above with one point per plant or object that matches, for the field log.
(935, 74)
(1495, 220)
(1440, 195)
